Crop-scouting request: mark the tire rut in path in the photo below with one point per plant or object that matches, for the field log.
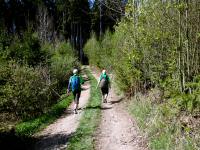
(117, 130)
(56, 135)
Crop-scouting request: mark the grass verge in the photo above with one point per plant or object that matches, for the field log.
(84, 136)
(30, 127)
(162, 125)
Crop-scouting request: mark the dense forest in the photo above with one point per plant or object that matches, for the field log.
(40, 42)
(151, 47)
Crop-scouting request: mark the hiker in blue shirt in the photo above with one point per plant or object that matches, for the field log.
(74, 85)
(104, 82)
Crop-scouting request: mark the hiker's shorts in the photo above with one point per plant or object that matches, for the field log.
(104, 90)
(77, 94)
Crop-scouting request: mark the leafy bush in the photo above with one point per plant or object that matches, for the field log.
(61, 63)
(93, 51)
(25, 50)
(28, 91)
(189, 101)
(25, 92)
(163, 125)
(151, 49)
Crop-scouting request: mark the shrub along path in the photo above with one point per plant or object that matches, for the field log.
(56, 135)
(117, 130)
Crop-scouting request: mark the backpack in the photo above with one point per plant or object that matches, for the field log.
(104, 82)
(75, 83)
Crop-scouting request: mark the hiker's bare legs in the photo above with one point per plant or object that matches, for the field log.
(106, 95)
(75, 107)
(76, 102)
(104, 98)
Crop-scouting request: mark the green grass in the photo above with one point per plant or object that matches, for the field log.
(150, 121)
(140, 110)
(83, 138)
(161, 124)
(30, 127)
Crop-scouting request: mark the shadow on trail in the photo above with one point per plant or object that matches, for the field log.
(55, 141)
(10, 140)
(67, 112)
(97, 107)
(117, 101)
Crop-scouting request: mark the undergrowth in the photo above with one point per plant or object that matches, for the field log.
(166, 126)
(30, 127)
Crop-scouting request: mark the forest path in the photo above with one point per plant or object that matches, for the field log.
(117, 130)
(56, 135)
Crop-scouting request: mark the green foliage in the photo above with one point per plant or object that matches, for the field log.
(141, 111)
(161, 123)
(62, 61)
(99, 51)
(145, 50)
(32, 77)
(156, 45)
(23, 90)
(163, 141)
(92, 50)
(5, 41)
(27, 87)
(83, 137)
(26, 50)
(29, 127)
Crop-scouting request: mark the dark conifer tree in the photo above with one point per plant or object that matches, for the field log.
(106, 13)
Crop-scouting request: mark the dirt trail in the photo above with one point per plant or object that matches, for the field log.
(56, 135)
(117, 131)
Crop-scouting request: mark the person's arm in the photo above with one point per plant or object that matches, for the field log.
(109, 82)
(98, 82)
(68, 88)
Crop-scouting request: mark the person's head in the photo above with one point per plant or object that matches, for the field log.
(103, 71)
(75, 71)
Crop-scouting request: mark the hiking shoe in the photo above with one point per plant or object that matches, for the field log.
(75, 111)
